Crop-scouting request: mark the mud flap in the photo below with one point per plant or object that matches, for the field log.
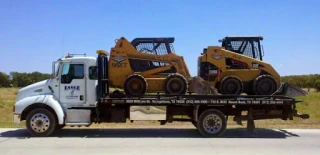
(202, 87)
(290, 90)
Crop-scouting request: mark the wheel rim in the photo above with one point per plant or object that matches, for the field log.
(231, 87)
(266, 87)
(135, 87)
(40, 123)
(212, 123)
(175, 86)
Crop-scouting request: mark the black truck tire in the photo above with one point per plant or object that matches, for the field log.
(175, 84)
(135, 85)
(41, 122)
(212, 123)
(231, 85)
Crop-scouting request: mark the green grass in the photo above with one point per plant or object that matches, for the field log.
(310, 105)
(7, 99)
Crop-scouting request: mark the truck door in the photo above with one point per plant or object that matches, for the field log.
(72, 84)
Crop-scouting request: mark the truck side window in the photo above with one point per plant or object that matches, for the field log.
(72, 71)
(93, 74)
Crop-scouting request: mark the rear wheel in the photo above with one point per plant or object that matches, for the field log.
(264, 85)
(175, 84)
(135, 85)
(41, 122)
(212, 123)
(231, 85)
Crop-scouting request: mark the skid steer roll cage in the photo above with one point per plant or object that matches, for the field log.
(157, 46)
(249, 46)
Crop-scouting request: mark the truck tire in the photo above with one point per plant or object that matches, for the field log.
(264, 85)
(135, 85)
(231, 85)
(212, 123)
(175, 84)
(41, 122)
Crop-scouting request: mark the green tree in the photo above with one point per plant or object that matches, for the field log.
(4, 80)
(317, 84)
(309, 83)
(24, 79)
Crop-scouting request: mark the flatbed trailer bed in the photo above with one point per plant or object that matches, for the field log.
(201, 99)
(198, 108)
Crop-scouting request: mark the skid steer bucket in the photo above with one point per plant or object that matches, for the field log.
(201, 87)
(290, 90)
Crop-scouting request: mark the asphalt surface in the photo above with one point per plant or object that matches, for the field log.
(161, 141)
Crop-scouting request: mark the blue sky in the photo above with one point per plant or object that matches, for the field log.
(34, 33)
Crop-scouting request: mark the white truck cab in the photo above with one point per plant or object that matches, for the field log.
(73, 84)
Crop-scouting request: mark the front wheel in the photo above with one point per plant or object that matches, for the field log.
(175, 84)
(231, 85)
(135, 85)
(41, 122)
(212, 123)
(264, 85)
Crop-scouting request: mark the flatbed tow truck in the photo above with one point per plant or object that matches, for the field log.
(50, 105)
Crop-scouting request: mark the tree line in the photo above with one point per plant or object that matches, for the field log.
(304, 81)
(22, 79)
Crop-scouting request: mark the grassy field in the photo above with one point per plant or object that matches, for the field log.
(310, 105)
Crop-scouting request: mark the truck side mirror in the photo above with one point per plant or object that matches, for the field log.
(53, 70)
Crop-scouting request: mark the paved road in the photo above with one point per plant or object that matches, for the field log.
(161, 141)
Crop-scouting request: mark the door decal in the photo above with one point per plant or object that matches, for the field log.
(72, 94)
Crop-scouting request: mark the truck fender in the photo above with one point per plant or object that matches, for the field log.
(49, 100)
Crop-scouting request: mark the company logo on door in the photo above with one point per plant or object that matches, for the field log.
(73, 89)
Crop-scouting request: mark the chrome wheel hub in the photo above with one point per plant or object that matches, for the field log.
(40, 123)
(212, 123)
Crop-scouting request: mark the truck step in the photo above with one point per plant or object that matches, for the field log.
(77, 124)
(78, 117)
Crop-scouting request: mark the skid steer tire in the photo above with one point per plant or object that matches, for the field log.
(264, 85)
(175, 84)
(135, 85)
(231, 85)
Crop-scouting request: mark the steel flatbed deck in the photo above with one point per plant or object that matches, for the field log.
(202, 100)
